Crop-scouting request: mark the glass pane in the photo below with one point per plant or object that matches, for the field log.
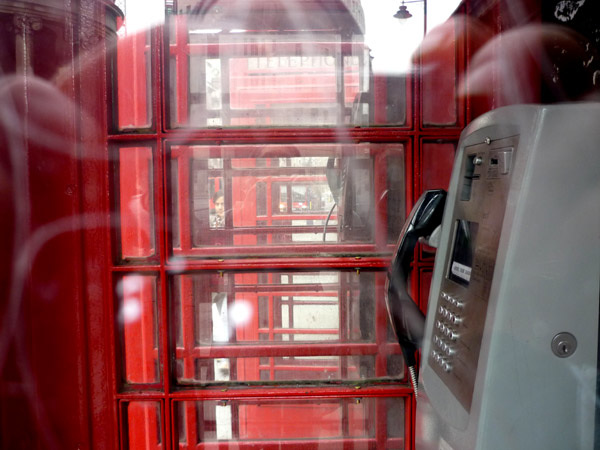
(133, 76)
(392, 44)
(424, 286)
(280, 64)
(275, 199)
(438, 159)
(137, 318)
(280, 326)
(439, 82)
(395, 422)
(261, 80)
(143, 424)
(353, 423)
(395, 193)
(136, 202)
(391, 103)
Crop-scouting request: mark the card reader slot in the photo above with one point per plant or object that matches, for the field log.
(468, 177)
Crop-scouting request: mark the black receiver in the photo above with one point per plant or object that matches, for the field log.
(407, 319)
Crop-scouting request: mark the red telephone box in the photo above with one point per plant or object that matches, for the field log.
(148, 321)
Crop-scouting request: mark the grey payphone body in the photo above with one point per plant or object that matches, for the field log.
(510, 351)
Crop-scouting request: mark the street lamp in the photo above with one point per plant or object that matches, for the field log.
(403, 12)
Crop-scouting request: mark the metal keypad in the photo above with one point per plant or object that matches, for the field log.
(447, 331)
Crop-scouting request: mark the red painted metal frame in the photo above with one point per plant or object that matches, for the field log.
(84, 348)
(96, 243)
(265, 393)
(182, 49)
(297, 251)
(381, 389)
(411, 135)
(124, 442)
(275, 350)
(188, 350)
(115, 172)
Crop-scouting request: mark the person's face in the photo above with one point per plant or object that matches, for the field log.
(220, 206)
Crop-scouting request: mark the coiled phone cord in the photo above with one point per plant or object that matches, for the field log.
(412, 373)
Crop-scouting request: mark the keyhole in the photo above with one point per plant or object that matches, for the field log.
(564, 344)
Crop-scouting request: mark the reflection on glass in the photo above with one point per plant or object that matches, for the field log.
(272, 421)
(137, 318)
(225, 71)
(144, 425)
(220, 333)
(284, 196)
(136, 206)
(133, 63)
(277, 326)
(217, 215)
(307, 70)
(462, 253)
(395, 408)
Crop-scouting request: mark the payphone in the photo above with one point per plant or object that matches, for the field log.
(509, 356)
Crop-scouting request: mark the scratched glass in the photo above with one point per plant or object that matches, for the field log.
(280, 326)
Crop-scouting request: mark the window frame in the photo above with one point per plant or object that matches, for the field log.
(410, 134)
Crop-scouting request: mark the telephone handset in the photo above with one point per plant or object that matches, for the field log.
(408, 322)
(350, 180)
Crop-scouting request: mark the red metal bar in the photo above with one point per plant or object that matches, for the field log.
(276, 263)
(292, 331)
(381, 324)
(275, 251)
(297, 175)
(283, 135)
(272, 367)
(182, 68)
(257, 393)
(320, 444)
(260, 350)
(273, 229)
(324, 290)
(308, 444)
